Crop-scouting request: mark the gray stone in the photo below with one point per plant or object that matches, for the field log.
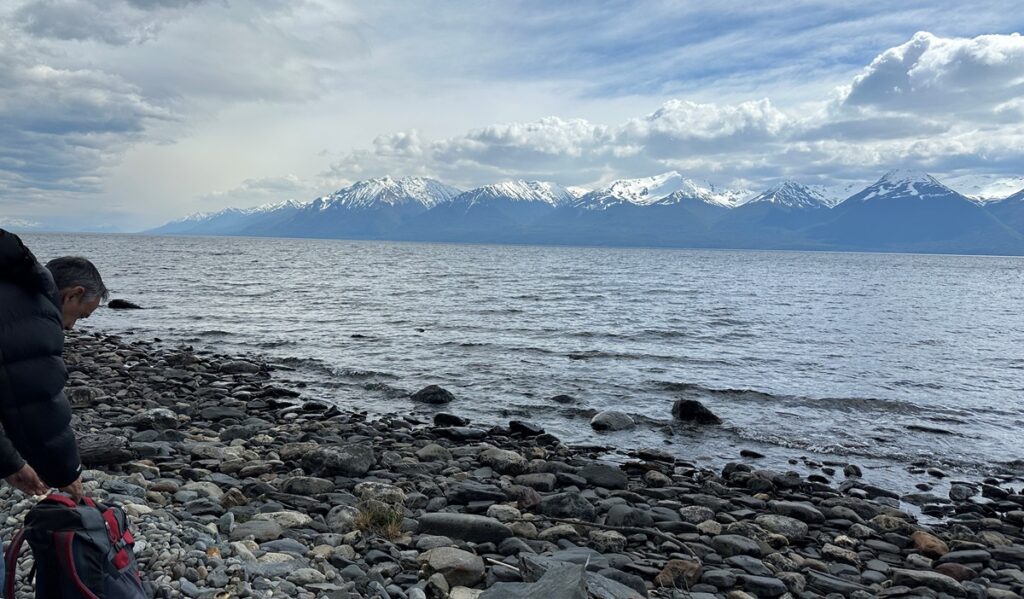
(612, 420)
(261, 530)
(567, 505)
(791, 528)
(730, 545)
(932, 580)
(342, 460)
(468, 527)
(603, 475)
(764, 586)
(804, 512)
(459, 568)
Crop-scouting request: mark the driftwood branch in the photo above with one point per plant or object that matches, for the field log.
(102, 449)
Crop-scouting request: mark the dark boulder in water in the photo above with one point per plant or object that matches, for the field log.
(526, 429)
(563, 399)
(691, 410)
(120, 304)
(433, 394)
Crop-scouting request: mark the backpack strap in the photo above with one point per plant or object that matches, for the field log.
(63, 541)
(11, 563)
(119, 539)
(61, 499)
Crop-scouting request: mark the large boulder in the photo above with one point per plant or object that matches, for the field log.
(612, 420)
(354, 459)
(433, 394)
(691, 410)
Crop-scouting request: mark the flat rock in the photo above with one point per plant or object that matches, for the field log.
(468, 527)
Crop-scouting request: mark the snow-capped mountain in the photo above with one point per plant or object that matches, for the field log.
(225, 222)
(902, 211)
(791, 194)
(903, 184)
(667, 188)
(912, 211)
(986, 188)
(1009, 210)
(385, 191)
(518, 191)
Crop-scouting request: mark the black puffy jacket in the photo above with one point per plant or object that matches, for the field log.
(34, 412)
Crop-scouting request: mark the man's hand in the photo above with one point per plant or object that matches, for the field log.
(75, 489)
(27, 481)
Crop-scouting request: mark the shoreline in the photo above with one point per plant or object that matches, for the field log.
(213, 454)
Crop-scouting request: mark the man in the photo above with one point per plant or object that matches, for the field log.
(37, 447)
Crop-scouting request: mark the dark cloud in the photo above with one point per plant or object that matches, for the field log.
(116, 23)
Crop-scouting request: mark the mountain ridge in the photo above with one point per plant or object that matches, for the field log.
(903, 210)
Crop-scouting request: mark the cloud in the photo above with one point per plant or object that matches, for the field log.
(117, 23)
(60, 127)
(933, 75)
(908, 107)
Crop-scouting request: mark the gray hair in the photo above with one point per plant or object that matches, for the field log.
(73, 271)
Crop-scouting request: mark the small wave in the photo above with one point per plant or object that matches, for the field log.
(386, 389)
(355, 373)
(844, 404)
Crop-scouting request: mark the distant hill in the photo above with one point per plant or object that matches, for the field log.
(904, 211)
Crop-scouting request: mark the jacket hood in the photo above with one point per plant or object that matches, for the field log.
(19, 266)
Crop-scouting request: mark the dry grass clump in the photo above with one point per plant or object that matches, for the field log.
(379, 518)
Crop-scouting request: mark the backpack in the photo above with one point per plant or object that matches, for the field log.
(81, 551)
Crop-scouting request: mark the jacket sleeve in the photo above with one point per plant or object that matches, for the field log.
(41, 433)
(10, 461)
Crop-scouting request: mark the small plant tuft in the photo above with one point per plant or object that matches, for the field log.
(379, 518)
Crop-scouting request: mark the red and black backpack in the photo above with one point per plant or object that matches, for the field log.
(81, 551)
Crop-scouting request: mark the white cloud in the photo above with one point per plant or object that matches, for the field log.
(935, 75)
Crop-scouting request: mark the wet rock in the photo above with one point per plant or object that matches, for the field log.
(691, 410)
(612, 420)
(121, 304)
(526, 429)
(239, 367)
(433, 394)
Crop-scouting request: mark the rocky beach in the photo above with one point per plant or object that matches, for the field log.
(238, 485)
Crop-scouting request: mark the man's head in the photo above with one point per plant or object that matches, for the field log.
(80, 285)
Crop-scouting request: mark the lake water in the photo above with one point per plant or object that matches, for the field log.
(882, 359)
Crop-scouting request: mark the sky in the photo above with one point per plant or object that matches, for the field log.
(123, 115)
